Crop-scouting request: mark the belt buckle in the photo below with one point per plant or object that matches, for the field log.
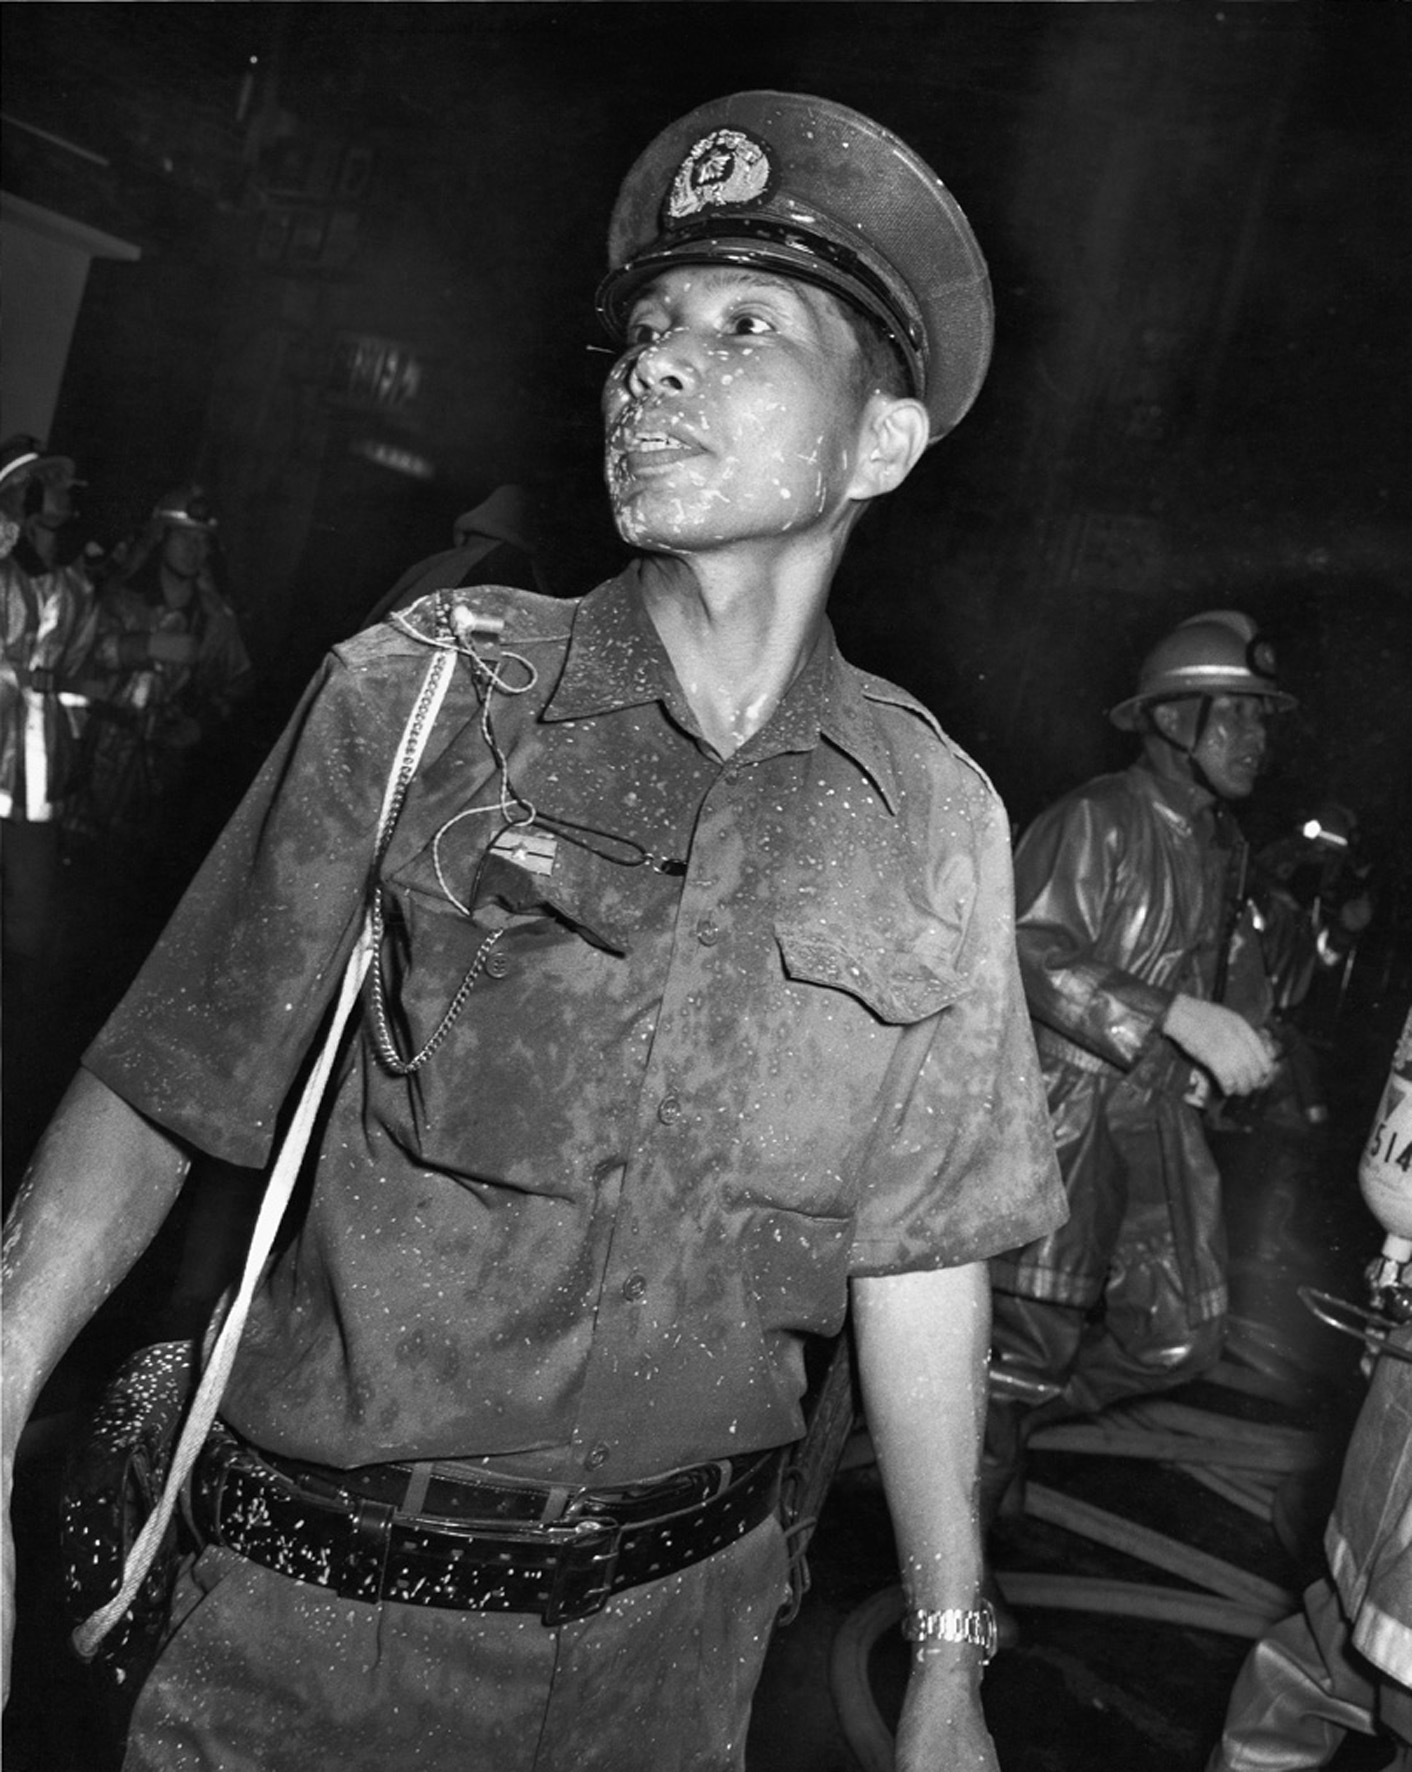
(583, 1575)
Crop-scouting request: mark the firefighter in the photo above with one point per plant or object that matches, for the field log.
(1146, 986)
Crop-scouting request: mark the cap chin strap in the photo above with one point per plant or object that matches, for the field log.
(1188, 751)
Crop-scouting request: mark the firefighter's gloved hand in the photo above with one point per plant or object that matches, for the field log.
(1224, 1042)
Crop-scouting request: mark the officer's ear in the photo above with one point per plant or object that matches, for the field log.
(892, 440)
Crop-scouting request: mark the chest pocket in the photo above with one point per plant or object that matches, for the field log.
(902, 977)
(561, 887)
(531, 943)
(862, 986)
(505, 1098)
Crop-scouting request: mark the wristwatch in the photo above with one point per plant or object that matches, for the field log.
(956, 1624)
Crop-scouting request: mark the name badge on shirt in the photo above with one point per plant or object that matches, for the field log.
(531, 849)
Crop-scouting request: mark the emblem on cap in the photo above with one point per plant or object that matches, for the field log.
(724, 168)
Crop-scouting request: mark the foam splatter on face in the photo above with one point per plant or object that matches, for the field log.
(1233, 745)
(733, 414)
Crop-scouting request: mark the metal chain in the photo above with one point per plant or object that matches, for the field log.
(510, 802)
(382, 1031)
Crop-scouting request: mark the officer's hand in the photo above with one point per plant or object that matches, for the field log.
(1233, 1051)
(942, 1727)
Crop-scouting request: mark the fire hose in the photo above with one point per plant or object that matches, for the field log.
(1238, 1459)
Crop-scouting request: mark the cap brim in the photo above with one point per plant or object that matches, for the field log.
(946, 387)
(618, 288)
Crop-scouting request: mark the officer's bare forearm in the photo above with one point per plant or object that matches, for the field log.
(922, 1342)
(102, 1181)
(922, 1345)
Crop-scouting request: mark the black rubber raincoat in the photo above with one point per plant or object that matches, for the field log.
(1127, 891)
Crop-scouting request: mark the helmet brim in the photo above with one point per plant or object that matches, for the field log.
(1127, 715)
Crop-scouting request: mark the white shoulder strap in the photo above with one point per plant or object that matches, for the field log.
(283, 1175)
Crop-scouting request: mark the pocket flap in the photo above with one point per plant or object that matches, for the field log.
(896, 983)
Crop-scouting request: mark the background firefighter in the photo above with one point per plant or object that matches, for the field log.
(174, 665)
(1147, 988)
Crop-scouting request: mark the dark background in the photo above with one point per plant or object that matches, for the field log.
(1196, 219)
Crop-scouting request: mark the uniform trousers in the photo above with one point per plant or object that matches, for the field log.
(266, 1674)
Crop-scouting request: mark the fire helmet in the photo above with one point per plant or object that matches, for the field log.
(1220, 652)
(186, 508)
(24, 460)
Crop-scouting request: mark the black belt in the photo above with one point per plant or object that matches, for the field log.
(354, 1541)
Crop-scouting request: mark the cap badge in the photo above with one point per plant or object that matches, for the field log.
(725, 168)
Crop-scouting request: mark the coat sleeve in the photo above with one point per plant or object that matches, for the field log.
(1072, 898)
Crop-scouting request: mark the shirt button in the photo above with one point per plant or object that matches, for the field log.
(669, 1110)
(497, 964)
(708, 932)
(634, 1287)
(596, 1456)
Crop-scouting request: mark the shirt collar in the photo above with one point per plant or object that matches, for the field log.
(616, 660)
(848, 718)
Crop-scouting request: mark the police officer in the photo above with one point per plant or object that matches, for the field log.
(697, 1018)
(1144, 977)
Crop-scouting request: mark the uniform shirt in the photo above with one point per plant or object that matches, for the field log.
(686, 1098)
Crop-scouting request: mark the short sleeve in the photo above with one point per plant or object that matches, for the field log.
(962, 1162)
(216, 1026)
